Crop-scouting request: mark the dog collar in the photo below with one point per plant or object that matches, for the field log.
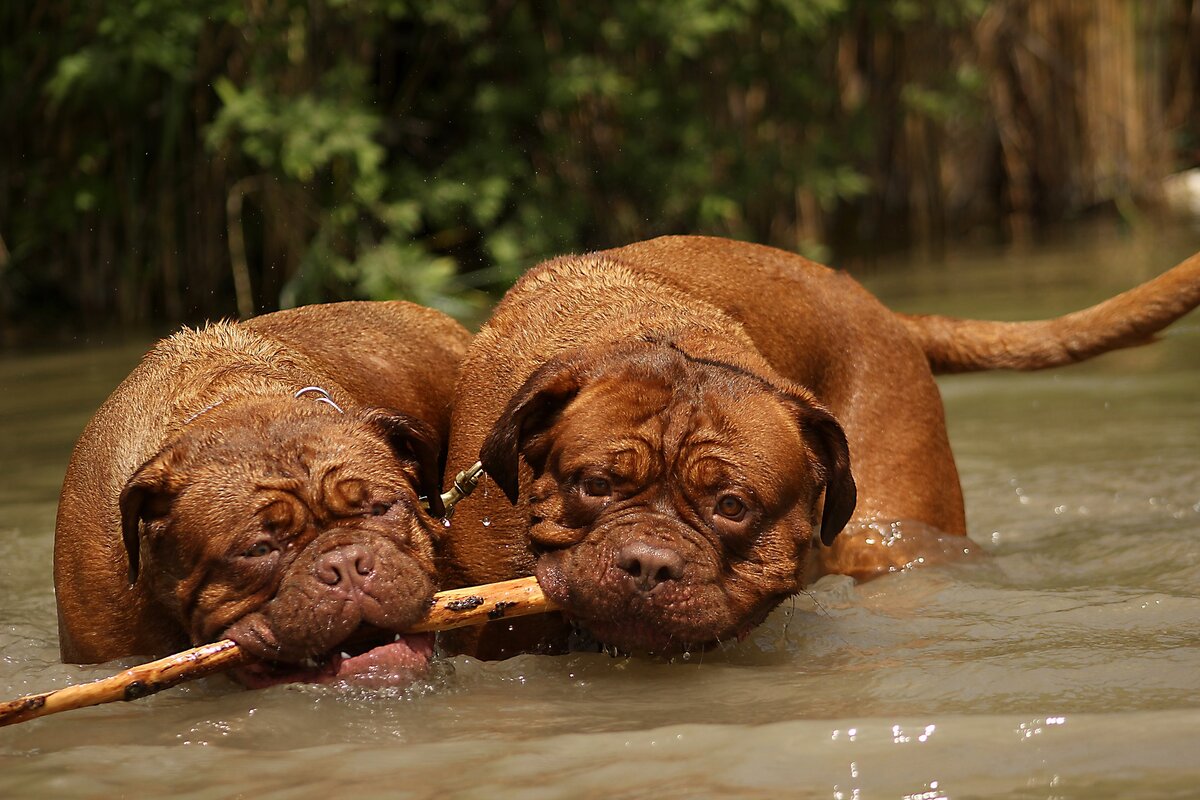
(204, 410)
(322, 397)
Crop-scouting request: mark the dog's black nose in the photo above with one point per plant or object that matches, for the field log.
(649, 565)
(346, 566)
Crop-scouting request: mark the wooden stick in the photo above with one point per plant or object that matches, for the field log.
(476, 605)
(135, 682)
(455, 608)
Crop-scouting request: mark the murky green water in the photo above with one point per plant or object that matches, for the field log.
(1067, 664)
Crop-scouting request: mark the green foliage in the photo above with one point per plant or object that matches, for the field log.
(432, 151)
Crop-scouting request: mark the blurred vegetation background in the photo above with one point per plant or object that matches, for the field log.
(165, 161)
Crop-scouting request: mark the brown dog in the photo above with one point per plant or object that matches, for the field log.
(259, 481)
(676, 421)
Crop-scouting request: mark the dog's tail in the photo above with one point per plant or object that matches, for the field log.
(1129, 319)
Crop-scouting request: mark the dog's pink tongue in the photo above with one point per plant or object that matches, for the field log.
(397, 663)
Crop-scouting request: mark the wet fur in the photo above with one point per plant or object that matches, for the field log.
(801, 355)
(173, 476)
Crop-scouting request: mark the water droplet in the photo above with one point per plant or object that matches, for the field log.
(445, 523)
(487, 522)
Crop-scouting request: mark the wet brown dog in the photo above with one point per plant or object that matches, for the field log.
(259, 481)
(676, 422)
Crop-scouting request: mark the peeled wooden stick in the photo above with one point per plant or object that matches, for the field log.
(475, 605)
(456, 608)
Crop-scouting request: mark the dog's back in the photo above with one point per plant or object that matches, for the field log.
(387, 354)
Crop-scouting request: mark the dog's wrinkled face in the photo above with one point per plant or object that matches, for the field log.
(295, 531)
(673, 500)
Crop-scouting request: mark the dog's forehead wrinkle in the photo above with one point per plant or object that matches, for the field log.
(704, 460)
(653, 388)
(586, 430)
(309, 474)
(759, 451)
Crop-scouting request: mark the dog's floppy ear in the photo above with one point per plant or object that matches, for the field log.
(828, 441)
(146, 497)
(414, 440)
(530, 411)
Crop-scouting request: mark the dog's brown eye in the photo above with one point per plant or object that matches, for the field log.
(379, 509)
(731, 507)
(596, 487)
(259, 550)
